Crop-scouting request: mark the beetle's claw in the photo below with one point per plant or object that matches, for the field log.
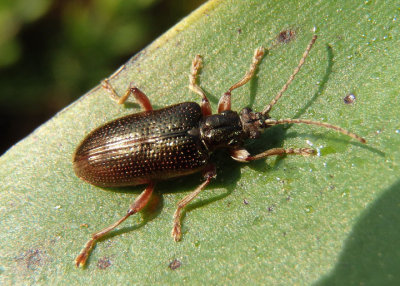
(80, 260)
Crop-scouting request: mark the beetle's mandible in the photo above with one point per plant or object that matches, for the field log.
(177, 140)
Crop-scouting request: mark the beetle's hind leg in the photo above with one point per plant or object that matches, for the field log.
(140, 202)
(193, 86)
(225, 100)
(209, 173)
(140, 97)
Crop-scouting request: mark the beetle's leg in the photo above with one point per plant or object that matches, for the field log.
(225, 100)
(137, 205)
(176, 230)
(242, 155)
(140, 97)
(193, 86)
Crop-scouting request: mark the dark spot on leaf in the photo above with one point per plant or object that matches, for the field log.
(350, 98)
(239, 30)
(103, 263)
(246, 202)
(174, 264)
(32, 259)
(286, 36)
(55, 239)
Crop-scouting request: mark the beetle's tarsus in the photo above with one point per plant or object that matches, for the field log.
(81, 259)
(176, 232)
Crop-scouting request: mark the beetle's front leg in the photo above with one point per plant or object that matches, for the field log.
(140, 97)
(140, 202)
(193, 86)
(209, 173)
(225, 100)
(242, 155)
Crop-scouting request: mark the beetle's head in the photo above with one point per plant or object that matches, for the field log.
(253, 122)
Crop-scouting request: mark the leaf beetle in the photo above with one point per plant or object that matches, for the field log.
(174, 141)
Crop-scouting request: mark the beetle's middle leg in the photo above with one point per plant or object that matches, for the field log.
(209, 173)
(140, 202)
(242, 155)
(193, 86)
(140, 97)
(225, 100)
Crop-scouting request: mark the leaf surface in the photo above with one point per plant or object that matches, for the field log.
(328, 219)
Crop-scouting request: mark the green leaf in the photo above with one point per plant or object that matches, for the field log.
(328, 219)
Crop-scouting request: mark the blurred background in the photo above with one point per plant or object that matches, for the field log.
(53, 51)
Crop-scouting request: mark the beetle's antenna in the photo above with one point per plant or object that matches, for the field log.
(272, 122)
(268, 108)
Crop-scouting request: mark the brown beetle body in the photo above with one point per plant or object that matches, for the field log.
(143, 147)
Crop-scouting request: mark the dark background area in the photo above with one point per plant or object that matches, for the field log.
(53, 51)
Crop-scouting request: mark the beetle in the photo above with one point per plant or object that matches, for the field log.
(177, 140)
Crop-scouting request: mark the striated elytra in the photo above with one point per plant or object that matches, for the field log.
(143, 147)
